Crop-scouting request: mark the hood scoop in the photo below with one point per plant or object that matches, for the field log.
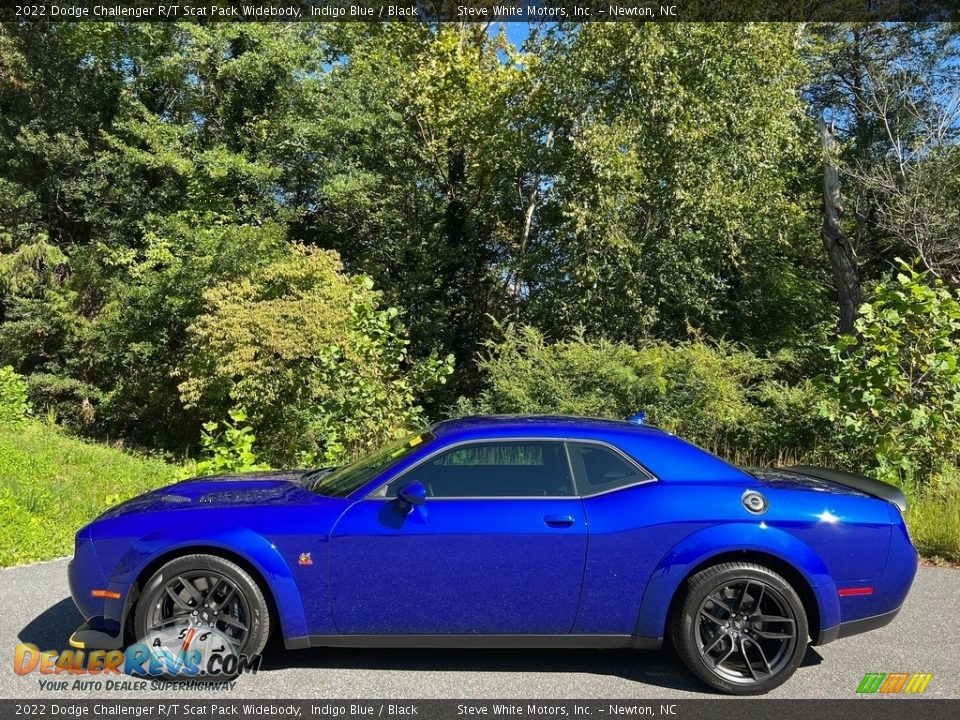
(243, 496)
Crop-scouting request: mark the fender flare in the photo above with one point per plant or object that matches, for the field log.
(233, 539)
(699, 547)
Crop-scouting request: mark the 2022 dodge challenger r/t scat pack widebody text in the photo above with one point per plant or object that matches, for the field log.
(548, 532)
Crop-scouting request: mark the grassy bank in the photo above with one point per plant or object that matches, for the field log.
(52, 484)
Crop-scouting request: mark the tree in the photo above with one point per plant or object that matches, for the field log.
(889, 95)
(681, 197)
(305, 349)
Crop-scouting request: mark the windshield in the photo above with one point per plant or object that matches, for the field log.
(344, 480)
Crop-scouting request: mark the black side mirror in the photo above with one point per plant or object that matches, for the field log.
(412, 493)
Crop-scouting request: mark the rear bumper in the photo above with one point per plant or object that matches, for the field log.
(855, 627)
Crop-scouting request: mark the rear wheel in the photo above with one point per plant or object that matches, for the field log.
(741, 628)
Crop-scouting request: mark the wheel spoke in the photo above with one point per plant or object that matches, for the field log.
(190, 588)
(718, 599)
(232, 622)
(706, 651)
(210, 594)
(773, 619)
(767, 635)
(176, 598)
(743, 653)
(743, 650)
(226, 598)
(742, 597)
(711, 618)
(722, 660)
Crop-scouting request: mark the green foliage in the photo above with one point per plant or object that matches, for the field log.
(305, 348)
(724, 398)
(14, 405)
(896, 390)
(680, 199)
(227, 449)
(933, 515)
(52, 484)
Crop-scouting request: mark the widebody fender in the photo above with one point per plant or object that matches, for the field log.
(719, 540)
(234, 540)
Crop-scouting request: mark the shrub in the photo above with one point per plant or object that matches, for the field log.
(226, 450)
(321, 369)
(896, 391)
(721, 397)
(14, 405)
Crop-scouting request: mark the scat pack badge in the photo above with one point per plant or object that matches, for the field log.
(305, 559)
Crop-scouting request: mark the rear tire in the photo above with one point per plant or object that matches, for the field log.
(740, 627)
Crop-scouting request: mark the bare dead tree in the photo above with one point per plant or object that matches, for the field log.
(843, 261)
(916, 185)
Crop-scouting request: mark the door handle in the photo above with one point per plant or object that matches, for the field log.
(558, 520)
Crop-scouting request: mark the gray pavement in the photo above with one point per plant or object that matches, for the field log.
(36, 608)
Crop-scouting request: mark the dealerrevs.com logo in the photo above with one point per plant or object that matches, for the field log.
(189, 652)
(894, 683)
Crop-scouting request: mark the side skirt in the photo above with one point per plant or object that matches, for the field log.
(476, 641)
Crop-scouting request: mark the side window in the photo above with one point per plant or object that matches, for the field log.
(494, 469)
(599, 468)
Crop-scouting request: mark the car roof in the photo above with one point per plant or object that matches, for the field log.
(533, 425)
(665, 455)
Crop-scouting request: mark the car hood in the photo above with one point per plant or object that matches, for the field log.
(256, 488)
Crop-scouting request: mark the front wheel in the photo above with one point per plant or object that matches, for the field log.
(202, 604)
(741, 628)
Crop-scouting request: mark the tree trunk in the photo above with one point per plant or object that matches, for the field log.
(846, 279)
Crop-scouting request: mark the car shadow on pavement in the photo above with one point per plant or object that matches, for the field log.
(51, 629)
(662, 668)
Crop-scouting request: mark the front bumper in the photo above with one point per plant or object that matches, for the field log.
(86, 638)
(85, 575)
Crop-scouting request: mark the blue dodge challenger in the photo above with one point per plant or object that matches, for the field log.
(507, 532)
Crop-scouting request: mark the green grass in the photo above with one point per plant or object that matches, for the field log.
(52, 484)
(933, 519)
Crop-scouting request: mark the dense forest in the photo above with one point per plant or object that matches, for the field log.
(335, 232)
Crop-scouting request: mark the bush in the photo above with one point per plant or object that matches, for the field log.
(896, 392)
(721, 397)
(321, 369)
(226, 450)
(14, 405)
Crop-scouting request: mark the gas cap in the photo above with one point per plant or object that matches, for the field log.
(754, 502)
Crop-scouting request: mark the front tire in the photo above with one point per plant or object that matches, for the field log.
(741, 628)
(205, 592)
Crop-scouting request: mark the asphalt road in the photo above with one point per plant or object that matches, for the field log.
(36, 608)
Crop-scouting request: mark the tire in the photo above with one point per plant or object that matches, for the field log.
(234, 600)
(717, 632)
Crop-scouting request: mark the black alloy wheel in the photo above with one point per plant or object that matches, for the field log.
(741, 628)
(206, 599)
(204, 592)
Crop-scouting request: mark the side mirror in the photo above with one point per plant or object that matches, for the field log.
(412, 493)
